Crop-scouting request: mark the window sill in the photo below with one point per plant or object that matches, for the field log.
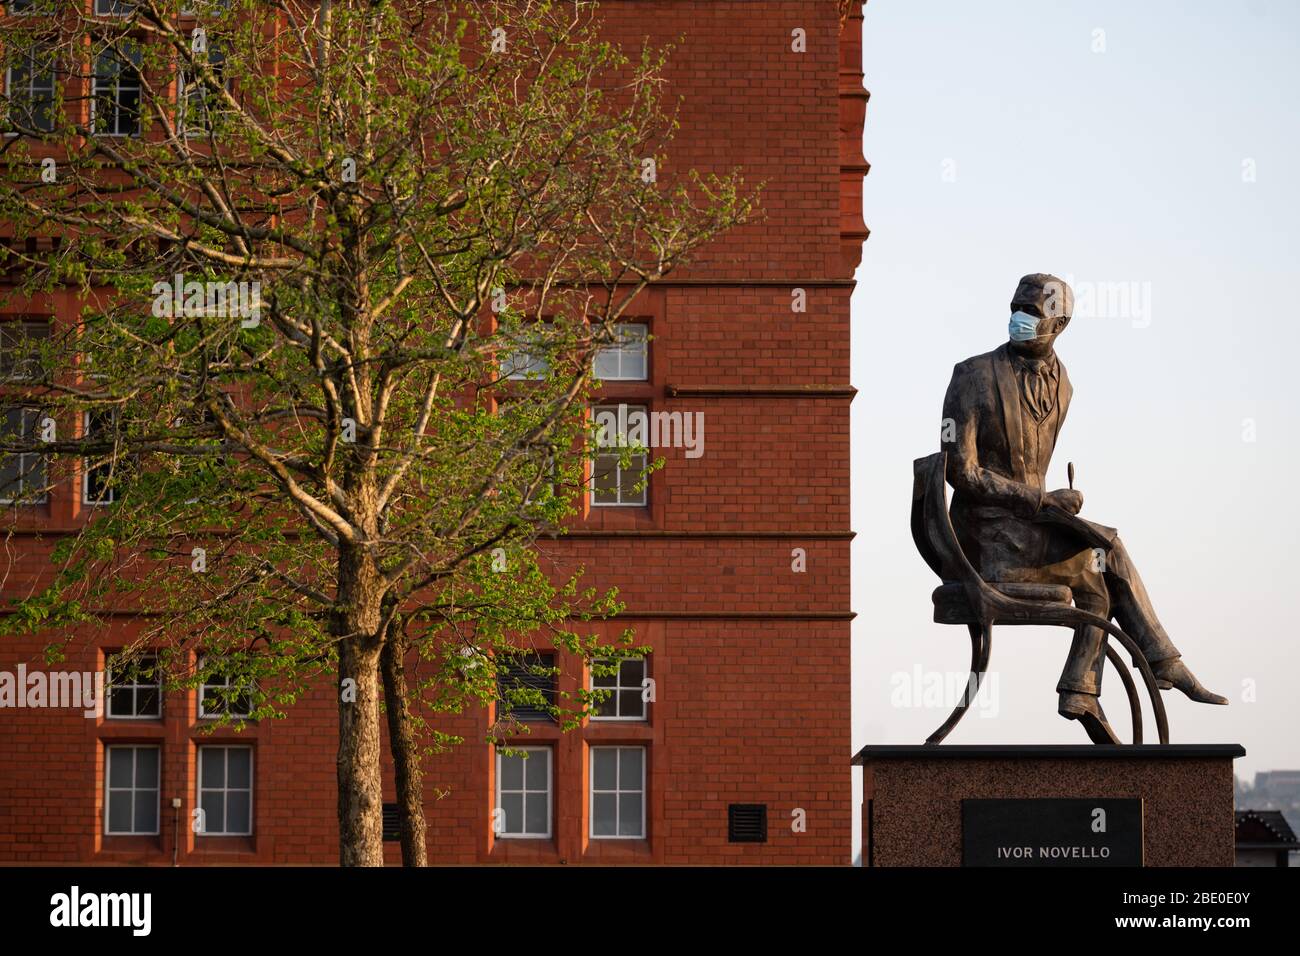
(123, 728)
(616, 518)
(617, 731)
(524, 850)
(132, 844)
(212, 847)
(605, 850)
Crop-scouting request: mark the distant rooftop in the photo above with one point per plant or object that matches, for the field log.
(1264, 830)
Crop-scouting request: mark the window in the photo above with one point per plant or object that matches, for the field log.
(625, 700)
(114, 8)
(197, 104)
(219, 696)
(520, 681)
(135, 689)
(614, 483)
(115, 93)
(618, 793)
(131, 797)
(95, 487)
(20, 7)
(626, 359)
(527, 360)
(20, 349)
(29, 85)
(524, 793)
(226, 791)
(22, 474)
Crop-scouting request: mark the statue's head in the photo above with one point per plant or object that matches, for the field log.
(1040, 311)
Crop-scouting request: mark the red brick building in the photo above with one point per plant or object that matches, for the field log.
(735, 568)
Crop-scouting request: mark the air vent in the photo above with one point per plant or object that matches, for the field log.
(392, 825)
(747, 823)
(517, 674)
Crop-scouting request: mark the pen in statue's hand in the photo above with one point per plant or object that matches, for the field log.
(1066, 499)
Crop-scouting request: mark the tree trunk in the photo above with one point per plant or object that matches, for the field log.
(361, 821)
(406, 758)
(357, 624)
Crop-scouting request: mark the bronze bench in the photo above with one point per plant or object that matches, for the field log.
(965, 598)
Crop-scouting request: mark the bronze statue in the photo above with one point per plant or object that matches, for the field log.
(1002, 415)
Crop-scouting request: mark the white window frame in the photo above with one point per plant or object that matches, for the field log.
(525, 792)
(87, 468)
(225, 789)
(618, 790)
(643, 456)
(18, 374)
(31, 75)
(204, 715)
(618, 687)
(133, 790)
(117, 99)
(534, 368)
(23, 457)
(636, 343)
(135, 687)
(184, 127)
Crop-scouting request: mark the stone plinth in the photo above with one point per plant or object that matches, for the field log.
(912, 799)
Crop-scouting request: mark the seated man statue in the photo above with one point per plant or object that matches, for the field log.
(1002, 414)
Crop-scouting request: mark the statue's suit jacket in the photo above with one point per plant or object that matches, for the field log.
(995, 493)
(998, 492)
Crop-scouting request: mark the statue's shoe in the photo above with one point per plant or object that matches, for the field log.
(1086, 709)
(1174, 673)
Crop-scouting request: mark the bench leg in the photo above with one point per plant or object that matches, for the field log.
(1134, 703)
(981, 646)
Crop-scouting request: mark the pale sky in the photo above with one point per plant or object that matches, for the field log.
(1150, 153)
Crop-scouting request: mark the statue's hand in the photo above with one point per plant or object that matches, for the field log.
(1066, 498)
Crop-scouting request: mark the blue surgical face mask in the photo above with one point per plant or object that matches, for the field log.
(1023, 327)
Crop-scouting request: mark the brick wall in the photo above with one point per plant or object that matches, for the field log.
(751, 657)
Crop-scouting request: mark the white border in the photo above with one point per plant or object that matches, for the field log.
(199, 789)
(642, 345)
(619, 791)
(619, 686)
(94, 84)
(203, 715)
(108, 789)
(550, 794)
(109, 686)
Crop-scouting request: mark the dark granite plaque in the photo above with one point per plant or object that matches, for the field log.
(1051, 832)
